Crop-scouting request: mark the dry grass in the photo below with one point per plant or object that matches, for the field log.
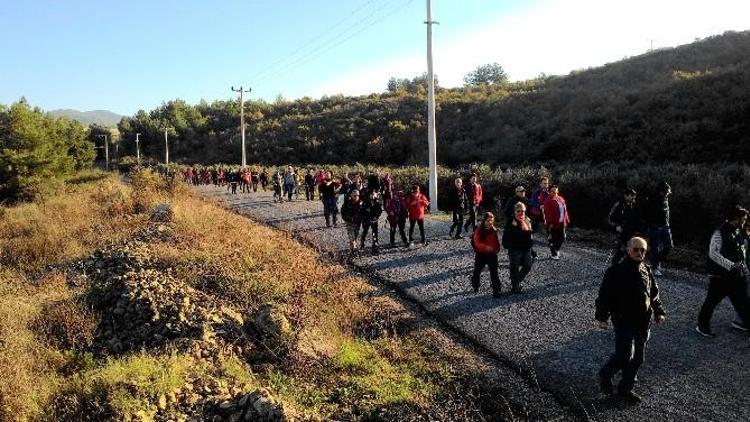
(334, 371)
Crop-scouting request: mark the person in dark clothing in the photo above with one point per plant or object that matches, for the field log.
(329, 190)
(625, 219)
(395, 207)
(629, 296)
(309, 185)
(371, 212)
(510, 206)
(486, 246)
(517, 239)
(659, 232)
(374, 183)
(538, 198)
(278, 186)
(255, 179)
(728, 271)
(234, 180)
(473, 199)
(457, 203)
(351, 213)
(264, 179)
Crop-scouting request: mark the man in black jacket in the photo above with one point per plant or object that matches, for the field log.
(728, 272)
(629, 297)
(371, 211)
(625, 218)
(659, 231)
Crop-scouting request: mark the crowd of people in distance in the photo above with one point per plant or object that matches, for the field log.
(629, 294)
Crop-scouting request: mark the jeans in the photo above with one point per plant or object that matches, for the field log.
(400, 225)
(330, 208)
(520, 261)
(660, 238)
(556, 238)
(290, 188)
(420, 223)
(719, 287)
(458, 222)
(370, 225)
(309, 192)
(630, 349)
(472, 209)
(480, 260)
(352, 230)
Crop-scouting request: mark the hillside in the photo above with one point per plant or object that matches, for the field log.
(99, 117)
(689, 103)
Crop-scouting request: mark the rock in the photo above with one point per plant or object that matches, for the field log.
(162, 213)
(272, 322)
(226, 405)
(243, 401)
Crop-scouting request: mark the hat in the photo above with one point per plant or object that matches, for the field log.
(520, 189)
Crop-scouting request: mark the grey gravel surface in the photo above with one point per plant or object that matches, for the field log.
(548, 330)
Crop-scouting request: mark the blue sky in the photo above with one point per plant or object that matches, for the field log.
(125, 56)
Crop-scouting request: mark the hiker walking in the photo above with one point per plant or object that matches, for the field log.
(486, 246)
(264, 179)
(416, 204)
(538, 198)
(290, 182)
(624, 217)
(395, 207)
(659, 232)
(372, 209)
(629, 296)
(457, 202)
(309, 185)
(518, 240)
(556, 219)
(329, 190)
(727, 268)
(278, 186)
(254, 178)
(351, 213)
(473, 199)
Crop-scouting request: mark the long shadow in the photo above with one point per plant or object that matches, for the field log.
(414, 259)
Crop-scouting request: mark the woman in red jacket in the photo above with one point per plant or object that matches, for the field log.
(556, 219)
(416, 204)
(486, 247)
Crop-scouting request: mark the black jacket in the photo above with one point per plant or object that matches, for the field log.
(351, 211)
(657, 210)
(514, 238)
(629, 295)
(627, 216)
(371, 210)
(457, 200)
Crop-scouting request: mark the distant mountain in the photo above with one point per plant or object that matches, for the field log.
(100, 117)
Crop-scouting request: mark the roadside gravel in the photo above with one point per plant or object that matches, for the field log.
(547, 332)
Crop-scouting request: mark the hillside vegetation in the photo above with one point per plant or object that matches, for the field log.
(113, 307)
(686, 104)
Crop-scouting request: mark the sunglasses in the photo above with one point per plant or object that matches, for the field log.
(520, 210)
(642, 250)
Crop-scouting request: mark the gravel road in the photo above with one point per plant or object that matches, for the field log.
(547, 331)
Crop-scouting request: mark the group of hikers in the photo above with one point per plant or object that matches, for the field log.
(629, 293)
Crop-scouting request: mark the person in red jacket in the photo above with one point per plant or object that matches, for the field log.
(556, 219)
(416, 204)
(486, 247)
(473, 199)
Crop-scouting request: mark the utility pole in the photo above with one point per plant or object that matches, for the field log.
(138, 148)
(242, 122)
(166, 145)
(106, 150)
(431, 147)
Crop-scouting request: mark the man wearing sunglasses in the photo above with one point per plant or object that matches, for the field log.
(629, 296)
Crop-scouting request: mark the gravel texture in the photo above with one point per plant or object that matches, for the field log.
(548, 330)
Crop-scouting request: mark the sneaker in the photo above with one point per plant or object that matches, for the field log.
(705, 332)
(459, 237)
(555, 256)
(630, 397)
(740, 326)
(409, 245)
(657, 272)
(424, 243)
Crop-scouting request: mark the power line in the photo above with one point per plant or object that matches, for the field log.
(318, 53)
(313, 39)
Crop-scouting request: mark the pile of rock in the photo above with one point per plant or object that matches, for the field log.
(257, 405)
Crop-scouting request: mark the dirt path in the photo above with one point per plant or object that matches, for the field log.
(548, 330)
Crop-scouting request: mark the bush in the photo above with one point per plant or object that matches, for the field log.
(66, 324)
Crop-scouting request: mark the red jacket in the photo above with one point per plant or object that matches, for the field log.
(474, 193)
(551, 212)
(416, 204)
(484, 238)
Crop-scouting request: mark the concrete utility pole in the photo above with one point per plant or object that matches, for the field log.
(138, 148)
(106, 150)
(166, 145)
(431, 135)
(242, 122)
